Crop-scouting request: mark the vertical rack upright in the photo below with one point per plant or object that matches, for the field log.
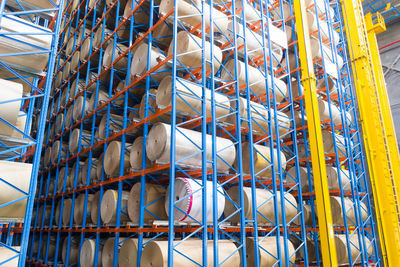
(29, 39)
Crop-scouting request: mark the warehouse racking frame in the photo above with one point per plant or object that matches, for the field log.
(93, 79)
(26, 144)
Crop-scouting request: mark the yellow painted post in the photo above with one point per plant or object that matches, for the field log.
(380, 164)
(326, 232)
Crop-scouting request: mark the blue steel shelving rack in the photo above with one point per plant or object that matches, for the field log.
(93, 80)
(27, 146)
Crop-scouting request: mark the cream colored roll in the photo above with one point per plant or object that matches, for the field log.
(256, 79)
(57, 213)
(156, 254)
(92, 174)
(307, 214)
(139, 62)
(328, 143)
(65, 91)
(265, 204)
(47, 156)
(115, 123)
(94, 209)
(74, 139)
(107, 257)
(330, 67)
(152, 106)
(99, 169)
(254, 43)
(329, 86)
(163, 34)
(66, 71)
(190, 194)
(189, 51)
(9, 111)
(88, 252)
(81, 107)
(291, 177)
(72, 176)
(333, 178)
(51, 186)
(158, 147)
(109, 206)
(61, 177)
(73, 251)
(58, 80)
(102, 97)
(189, 97)
(112, 158)
(128, 253)
(79, 208)
(51, 249)
(268, 251)
(321, 7)
(323, 107)
(336, 204)
(85, 49)
(66, 214)
(355, 248)
(277, 15)
(321, 26)
(29, 38)
(108, 56)
(262, 160)
(58, 151)
(70, 45)
(141, 16)
(136, 154)
(52, 131)
(75, 61)
(259, 114)
(154, 200)
(190, 14)
(68, 117)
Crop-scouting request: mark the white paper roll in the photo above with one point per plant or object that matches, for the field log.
(189, 99)
(333, 179)
(79, 208)
(262, 160)
(321, 26)
(9, 111)
(190, 254)
(19, 175)
(112, 158)
(109, 206)
(158, 147)
(265, 205)
(154, 200)
(292, 178)
(189, 52)
(135, 157)
(87, 253)
(189, 194)
(30, 37)
(256, 78)
(336, 204)
(329, 146)
(355, 248)
(325, 114)
(139, 62)
(268, 251)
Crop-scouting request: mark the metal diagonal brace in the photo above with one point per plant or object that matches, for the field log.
(326, 231)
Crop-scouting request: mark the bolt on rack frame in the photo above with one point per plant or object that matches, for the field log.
(176, 133)
(29, 39)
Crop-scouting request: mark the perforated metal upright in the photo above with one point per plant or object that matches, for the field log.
(29, 39)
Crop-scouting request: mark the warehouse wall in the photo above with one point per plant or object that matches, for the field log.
(390, 57)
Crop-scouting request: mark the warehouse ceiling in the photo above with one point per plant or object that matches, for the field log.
(390, 9)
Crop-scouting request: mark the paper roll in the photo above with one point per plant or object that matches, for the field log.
(57, 214)
(99, 170)
(128, 253)
(188, 99)
(93, 172)
(336, 204)
(74, 139)
(141, 16)
(256, 78)
(325, 114)
(268, 251)
(75, 61)
(66, 71)
(62, 175)
(333, 178)
(152, 106)
(163, 34)
(122, 63)
(136, 154)
(189, 194)
(73, 176)
(329, 147)
(73, 251)
(79, 208)
(66, 213)
(189, 52)
(88, 252)
(262, 160)
(259, 115)
(30, 38)
(191, 14)
(315, 26)
(307, 214)
(47, 156)
(139, 62)
(355, 248)
(81, 107)
(68, 117)
(154, 200)
(112, 158)
(187, 154)
(58, 151)
(107, 257)
(101, 96)
(292, 178)
(109, 206)
(277, 15)
(9, 111)
(115, 123)
(51, 249)
(321, 7)
(189, 254)
(94, 209)
(265, 205)
(330, 67)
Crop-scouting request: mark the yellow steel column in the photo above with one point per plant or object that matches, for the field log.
(381, 167)
(326, 232)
